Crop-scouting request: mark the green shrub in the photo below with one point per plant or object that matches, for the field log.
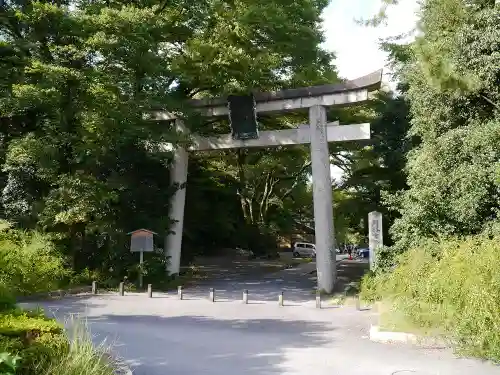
(44, 348)
(85, 277)
(37, 340)
(451, 287)
(42, 352)
(8, 363)
(7, 299)
(386, 259)
(18, 323)
(29, 262)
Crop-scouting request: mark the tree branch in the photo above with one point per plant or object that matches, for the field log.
(296, 178)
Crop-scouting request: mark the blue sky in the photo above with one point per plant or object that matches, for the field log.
(356, 46)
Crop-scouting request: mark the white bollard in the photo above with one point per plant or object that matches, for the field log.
(245, 297)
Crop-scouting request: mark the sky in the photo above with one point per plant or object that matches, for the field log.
(356, 46)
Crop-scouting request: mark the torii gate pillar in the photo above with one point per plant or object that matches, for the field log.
(173, 242)
(322, 197)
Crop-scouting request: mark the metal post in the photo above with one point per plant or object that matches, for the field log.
(94, 287)
(120, 289)
(358, 304)
(179, 292)
(150, 291)
(318, 299)
(212, 295)
(281, 301)
(245, 297)
(141, 261)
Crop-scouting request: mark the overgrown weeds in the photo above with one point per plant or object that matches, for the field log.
(449, 287)
(82, 358)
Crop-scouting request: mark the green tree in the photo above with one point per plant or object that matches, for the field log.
(377, 168)
(452, 78)
(80, 158)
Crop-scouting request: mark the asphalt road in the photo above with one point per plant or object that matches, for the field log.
(229, 282)
(164, 335)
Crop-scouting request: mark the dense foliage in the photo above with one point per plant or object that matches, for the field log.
(29, 263)
(79, 158)
(445, 287)
(442, 276)
(453, 88)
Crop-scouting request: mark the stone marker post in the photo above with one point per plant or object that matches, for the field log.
(150, 291)
(318, 299)
(375, 235)
(211, 295)
(281, 301)
(94, 287)
(121, 290)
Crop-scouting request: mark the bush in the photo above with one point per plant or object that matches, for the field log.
(44, 348)
(37, 340)
(85, 277)
(451, 287)
(386, 259)
(7, 299)
(29, 262)
(8, 363)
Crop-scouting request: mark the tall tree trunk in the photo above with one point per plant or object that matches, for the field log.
(245, 201)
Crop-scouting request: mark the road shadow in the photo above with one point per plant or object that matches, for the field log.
(297, 291)
(67, 306)
(155, 345)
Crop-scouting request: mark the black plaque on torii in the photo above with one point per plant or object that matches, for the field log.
(243, 116)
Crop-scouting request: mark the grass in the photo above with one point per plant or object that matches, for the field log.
(348, 297)
(448, 288)
(393, 320)
(82, 358)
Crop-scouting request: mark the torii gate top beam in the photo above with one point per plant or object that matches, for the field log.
(342, 93)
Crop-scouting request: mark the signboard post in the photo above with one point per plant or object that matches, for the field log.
(141, 241)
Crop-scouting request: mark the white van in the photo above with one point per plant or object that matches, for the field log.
(304, 249)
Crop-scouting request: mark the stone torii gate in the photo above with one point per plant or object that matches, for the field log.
(318, 133)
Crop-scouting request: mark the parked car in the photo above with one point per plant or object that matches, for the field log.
(364, 252)
(304, 249)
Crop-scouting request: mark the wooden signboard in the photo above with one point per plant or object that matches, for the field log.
(141, 241)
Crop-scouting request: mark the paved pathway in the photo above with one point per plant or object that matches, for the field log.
(163, 335)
